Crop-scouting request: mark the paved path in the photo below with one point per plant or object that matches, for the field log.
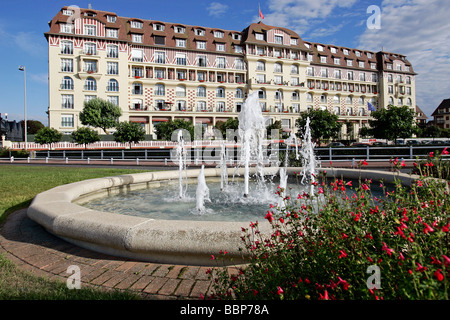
(27, 244)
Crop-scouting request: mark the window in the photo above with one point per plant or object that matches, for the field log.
(160, 90)
(181, 91)
(369, 55)
(310, 71)
(111, 19)
(66, 28)
(323, 99)
(238, 49)
(337, 110)
(67, 120)
(199, 32)
(66, 47)
(319, 47)
(201, 45)
(389, 66)
(261, 94)
(89, 98)
(90, 30)
(137, 88)
(112, 51)
(113, 85)
(181, 105)
(374, 77)
(160, 57)
(309, 57)
(179, 29)
(159, 40)
(361, 101)
(201, 105)
(201, 61)
(390, 79)
(136, 38)
(361, 64)
(181, 74)
(345, 51)
(220, 106)
(114, 100)
(260, 51)
(239, 94)
(409, 102)
(337, 61)
(220, 47)
(278, 79)
(112, 33)
(260, 66)
(220, 92)
(358, 53)
(181, 43)
(90, 48)
(279, 39)
(137, 72)
(261, 78)
(158, 27)
(67, 83)
(220, 62)
(350, 75)
(66, 65)
(160, 73)
(336, 99)
(362, 76)
(137, 104)
(218, 34)
(324, 73)
(323, 59)
(295, 96)
(68, 12)
(201, 92)
(137, 24)
(67, 101)
(236, 36)
(112, 68)
(408, 80)
(349, 100)
(90, 66)
(333, 50)
(278, 67)
(309, 97)
(294, 69)
(390, 89)
(259, 36)
(349, 62)
(90, 84)
(294, 42)
(137, 55)
(239, 64)
(337, 74)
(181, 59)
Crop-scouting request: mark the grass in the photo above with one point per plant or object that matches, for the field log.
(18, 186)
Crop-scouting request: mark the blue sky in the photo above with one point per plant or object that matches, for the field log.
(419, 29)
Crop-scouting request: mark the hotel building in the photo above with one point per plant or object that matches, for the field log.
(157, 71)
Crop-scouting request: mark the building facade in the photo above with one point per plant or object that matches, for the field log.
(441, 116)
(158, 71)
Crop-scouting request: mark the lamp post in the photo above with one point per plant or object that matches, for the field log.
(22, 68)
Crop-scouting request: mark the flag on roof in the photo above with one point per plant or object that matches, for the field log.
(371, 107)
(260, 13)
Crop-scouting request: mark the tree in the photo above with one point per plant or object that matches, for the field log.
(33, 126)
(85, 135)
(129, 132)
(324, 125)
(230, 124)
(432, 132)
(101, 114)
(48, 135)
(164, 130)
(392, 123)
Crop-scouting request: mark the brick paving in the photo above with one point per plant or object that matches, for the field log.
(31, 248)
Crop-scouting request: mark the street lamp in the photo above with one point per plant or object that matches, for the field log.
(22, 68)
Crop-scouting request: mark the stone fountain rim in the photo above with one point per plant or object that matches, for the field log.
(162, 241)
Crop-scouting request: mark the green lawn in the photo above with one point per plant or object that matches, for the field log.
(18, 186)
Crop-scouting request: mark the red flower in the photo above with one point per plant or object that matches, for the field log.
(343, 254)
(445, 228)
(389, 251)
(280, 291)
(420, 267)
(446, 260)
(431, 154)
(344, 283)
(364, 163)
(427, 228)
(439, 275)
(445, 151)
(269, 216)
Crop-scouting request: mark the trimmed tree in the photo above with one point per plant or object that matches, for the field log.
(392, 123)
(324, 125)
(47, 135)
(101, 114)
(129, 132)
(164, 130)
(85, 135)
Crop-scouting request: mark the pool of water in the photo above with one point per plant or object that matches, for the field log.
(224, 205)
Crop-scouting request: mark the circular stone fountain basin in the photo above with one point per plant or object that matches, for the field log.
(184, 242)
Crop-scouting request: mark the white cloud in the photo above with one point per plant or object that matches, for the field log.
(40, 77)
(303, 15)
(217, 9)
(418, 29)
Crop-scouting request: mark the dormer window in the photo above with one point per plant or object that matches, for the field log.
(294, 42)
(279, 39)
(345, 51)
(236, 36)
(259, 36)
(90, 14)
(218, 34)
(307, 45)
(137, 24)
(137, 38)
(369, 55)
(90, 30)
(180, 29)
(158, 27)
(199, 32)
(111, 19)
(333, 50)
(319, 47)
(66, 28)
(68, 12)
(358, 53)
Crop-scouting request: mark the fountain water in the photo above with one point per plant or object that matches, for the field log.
(181, 154)
(223, 166)
(251, 131)
(202, 194)
(308, 157)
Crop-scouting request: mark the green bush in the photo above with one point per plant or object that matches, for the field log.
(330, 245)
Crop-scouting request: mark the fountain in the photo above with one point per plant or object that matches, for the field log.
(190, 238)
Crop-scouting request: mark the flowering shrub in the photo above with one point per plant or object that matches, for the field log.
(435, 165)
(324, 246)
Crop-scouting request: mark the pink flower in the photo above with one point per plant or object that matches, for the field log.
(385, 248)
(420, 267)
(280, 291)
(320, 190)
(269, 216)
(365, 187)
(349, 184)
(343, 254)
(324, 297)
(446, 260)
(431, 154)
(344, 283)
(445, 151)
(427, 228)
